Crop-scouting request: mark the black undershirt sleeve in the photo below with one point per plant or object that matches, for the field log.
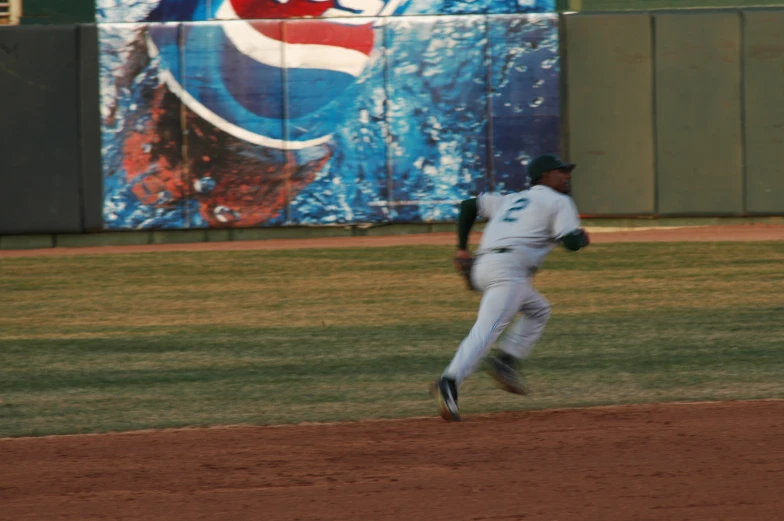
(574, 240)
(465, 221)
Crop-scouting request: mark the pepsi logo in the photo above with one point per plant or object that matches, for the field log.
(271, 82)
(255, 9)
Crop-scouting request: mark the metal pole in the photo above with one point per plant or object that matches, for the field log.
(15, 12)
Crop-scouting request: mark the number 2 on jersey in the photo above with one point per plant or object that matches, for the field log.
(517, 206)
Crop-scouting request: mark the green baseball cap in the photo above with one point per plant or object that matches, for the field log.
(545, 163)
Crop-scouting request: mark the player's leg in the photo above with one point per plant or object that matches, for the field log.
(500, 303)
(522, 336)
(503, 294)
(518, 343)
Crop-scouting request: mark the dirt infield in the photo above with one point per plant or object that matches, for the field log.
(657, 462)
(696, 462)
(740, 232)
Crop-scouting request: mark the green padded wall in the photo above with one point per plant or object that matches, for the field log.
(58, 12)
(90, 128)
(609, 112)
(698, 105)
(39, 139)
(764, 108)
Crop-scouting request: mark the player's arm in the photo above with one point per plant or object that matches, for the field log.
(463, 260)
(567, 226)
(465, 221)
(485, 205)
(576, 240)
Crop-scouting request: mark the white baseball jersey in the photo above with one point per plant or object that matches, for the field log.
(533, 220)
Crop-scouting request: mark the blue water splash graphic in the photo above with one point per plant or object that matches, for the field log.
(447, 107)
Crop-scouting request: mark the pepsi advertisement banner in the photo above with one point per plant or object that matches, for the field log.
(243, 113)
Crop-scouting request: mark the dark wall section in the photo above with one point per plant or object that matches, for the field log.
(90, 129)
(609, 113)
(39, 148)
(675, 113)
(58, 11)
(764, 110)
(698, 113)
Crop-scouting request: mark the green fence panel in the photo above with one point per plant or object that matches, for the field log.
(39, 134)
(58, 12)
(90, 128)
(698, 113)
(609, 112)
(763, 53)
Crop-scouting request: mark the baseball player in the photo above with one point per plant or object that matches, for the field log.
(522, 229)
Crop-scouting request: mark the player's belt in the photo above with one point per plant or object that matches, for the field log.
(495, 250)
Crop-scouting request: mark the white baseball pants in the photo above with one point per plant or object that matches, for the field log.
(505, 281)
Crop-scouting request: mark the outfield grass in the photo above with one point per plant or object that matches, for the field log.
(122, 342)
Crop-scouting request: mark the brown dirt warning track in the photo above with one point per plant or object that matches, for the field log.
(721, 461)
(739, 232)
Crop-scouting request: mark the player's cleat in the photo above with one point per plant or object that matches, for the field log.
(445, 391)
(503, 370)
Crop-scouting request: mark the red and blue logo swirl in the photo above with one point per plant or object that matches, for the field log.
(270, 72)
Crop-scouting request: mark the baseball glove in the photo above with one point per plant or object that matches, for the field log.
(464, 266)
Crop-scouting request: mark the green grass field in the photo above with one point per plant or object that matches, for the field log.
(134, 341)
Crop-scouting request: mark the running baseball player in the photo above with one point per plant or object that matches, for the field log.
(522, 229)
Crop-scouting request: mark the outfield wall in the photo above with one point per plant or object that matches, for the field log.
(666, 113)
(50, 162)
(675, 113)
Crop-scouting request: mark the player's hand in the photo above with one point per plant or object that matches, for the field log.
(463, 262)
(463, 254)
